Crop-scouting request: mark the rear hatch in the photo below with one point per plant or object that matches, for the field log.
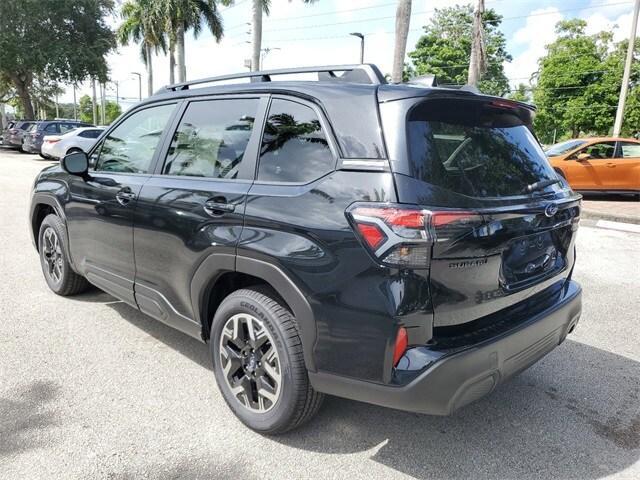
(502, 229)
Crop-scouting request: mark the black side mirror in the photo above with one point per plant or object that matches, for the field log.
(76, 163)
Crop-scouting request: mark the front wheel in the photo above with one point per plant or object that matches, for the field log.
(258, 362)
(55, 265)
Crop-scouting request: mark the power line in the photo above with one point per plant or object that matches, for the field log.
(326, 37)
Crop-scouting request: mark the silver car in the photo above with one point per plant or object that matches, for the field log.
(57, 146)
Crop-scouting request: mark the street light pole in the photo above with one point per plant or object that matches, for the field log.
(617, 126)
(361, 37)
(139, 84)
(265, 52)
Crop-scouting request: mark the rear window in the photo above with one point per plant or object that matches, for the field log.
(474, 149)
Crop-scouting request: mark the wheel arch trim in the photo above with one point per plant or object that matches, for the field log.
(216, 265)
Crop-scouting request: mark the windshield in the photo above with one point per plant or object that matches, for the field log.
(563, 147)
(474, 149)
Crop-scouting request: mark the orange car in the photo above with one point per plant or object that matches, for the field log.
(602, 164)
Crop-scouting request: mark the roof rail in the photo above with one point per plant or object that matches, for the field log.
(360, 73)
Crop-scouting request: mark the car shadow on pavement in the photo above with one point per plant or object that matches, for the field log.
(575, 414)
(188, 346)
(23, 421)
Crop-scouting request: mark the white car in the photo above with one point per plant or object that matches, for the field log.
(57, 146)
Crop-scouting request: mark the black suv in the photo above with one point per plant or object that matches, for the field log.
(400, 245)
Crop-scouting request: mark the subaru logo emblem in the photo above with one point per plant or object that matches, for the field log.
(550, 210)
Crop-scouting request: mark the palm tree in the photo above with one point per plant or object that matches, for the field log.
(143, 23)
(181, 16)
(403, 17)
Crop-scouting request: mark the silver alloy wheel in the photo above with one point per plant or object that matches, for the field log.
(250, 362)
(52, 254)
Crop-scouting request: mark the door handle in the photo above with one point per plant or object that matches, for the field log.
(611, 164)
(124, 196)
(218, 207)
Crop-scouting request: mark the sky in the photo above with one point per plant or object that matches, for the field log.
(318, 34)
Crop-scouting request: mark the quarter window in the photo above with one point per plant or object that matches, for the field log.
(130, 146)
(294, 147)
(212, 138)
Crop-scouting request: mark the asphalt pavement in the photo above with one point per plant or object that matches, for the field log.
(91, 388)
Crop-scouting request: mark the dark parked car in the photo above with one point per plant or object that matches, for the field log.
(33, 138)
(409, 247)
(13, 136)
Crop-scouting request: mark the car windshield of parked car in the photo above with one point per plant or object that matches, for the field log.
(474, 149)
(563, 147)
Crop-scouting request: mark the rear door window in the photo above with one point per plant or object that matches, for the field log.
(90, 133)
(597, 151)
(294, 146)
(51, 128)
(212, 138)
(629, 150)
(474, 149)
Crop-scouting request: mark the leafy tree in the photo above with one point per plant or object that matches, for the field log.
(85, 110)
(61, 41)
(578, 84)
(521, 94)
(445, 48)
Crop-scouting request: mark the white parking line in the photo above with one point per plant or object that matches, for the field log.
(624, 227)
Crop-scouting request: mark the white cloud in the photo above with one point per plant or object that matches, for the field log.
(620, 26)
(538, 31)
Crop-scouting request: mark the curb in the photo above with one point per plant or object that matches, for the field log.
(612, 217)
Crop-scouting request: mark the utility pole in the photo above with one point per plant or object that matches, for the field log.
(103, 92)
(75, 107)
(477, 63)
(57, 107)
(93, 102)
(403, 19)
(139, 84)
(617, 126)
(117, 92)
(361, 37)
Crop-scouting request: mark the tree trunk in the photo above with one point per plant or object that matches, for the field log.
(477, 62)
(256, 34)
(149, 71)
(182, 66)
(172, 61)
(403, 18)
(22, 84)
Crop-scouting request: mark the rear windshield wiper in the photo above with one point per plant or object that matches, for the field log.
(541, 185)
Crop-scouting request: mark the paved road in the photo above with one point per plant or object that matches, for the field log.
(90, 388)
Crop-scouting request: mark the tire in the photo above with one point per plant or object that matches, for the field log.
(43, 156)
(293, 400)
(56, 269)
(73, 150)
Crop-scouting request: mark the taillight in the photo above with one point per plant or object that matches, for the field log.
(52, 140)
(403, 235)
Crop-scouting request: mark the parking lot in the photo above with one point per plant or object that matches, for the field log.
(91, 388)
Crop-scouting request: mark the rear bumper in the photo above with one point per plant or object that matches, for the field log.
(31, 147)
(460, 378)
